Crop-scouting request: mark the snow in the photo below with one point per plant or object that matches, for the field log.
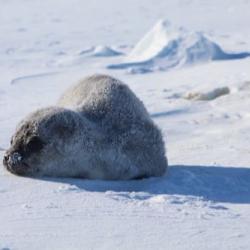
(105, 51)
(165, 47)
(203, 202)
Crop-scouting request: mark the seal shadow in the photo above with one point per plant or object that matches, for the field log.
(214, 183)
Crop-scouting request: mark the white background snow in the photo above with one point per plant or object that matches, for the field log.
(203, 202)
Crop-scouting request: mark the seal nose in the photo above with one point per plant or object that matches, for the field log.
(12, 159)
(14, 163)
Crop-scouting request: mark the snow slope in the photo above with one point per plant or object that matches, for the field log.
(203, 201)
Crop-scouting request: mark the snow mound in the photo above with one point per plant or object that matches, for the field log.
(79, 57)
(208, 96)
(104, 51)
(166, 46)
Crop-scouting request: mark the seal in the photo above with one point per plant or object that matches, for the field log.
(98, 129)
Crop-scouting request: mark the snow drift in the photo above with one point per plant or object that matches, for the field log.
(100, 51)
(166, 46)
(105, 51)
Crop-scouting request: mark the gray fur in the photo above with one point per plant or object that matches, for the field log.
(99, 130)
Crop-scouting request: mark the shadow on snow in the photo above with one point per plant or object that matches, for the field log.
(219, 184)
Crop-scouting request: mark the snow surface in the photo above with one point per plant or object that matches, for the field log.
(203, 202)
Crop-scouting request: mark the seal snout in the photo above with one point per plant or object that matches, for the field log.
(14, 163)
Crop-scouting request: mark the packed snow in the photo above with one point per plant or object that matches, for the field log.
(203, 201)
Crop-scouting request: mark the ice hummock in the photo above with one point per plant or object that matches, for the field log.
(167, 46)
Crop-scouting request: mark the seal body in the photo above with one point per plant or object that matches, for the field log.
(99, 129)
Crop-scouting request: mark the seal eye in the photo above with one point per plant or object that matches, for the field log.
(35, 144)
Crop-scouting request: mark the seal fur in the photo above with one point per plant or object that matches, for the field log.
(98, 129)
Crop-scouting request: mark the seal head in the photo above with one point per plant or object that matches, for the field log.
(41, 140)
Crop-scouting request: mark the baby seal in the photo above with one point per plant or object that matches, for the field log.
(99, 129)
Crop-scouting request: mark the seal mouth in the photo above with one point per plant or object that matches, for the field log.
(15, 164)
